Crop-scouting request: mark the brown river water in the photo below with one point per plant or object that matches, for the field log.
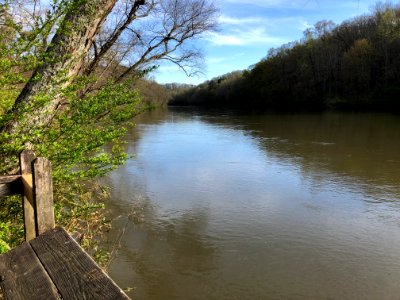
(225, 206)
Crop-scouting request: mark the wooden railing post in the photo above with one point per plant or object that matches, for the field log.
(43, 195)
(37, 194)
(25, 161)
(10, 185)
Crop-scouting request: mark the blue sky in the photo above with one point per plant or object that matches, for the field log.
(248, 28)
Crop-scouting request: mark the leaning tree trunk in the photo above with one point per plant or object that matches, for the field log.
(63, 60)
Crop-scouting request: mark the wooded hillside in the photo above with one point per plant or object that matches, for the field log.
(354, 66)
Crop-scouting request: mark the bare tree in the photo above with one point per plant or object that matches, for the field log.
(152, 32)
(105, 41)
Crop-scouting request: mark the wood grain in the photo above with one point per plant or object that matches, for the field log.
(25, 162)
(43, 195)
(23, 276)
(74, 273)
(27, 187)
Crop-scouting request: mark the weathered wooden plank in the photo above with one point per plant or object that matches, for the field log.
(25, 162)
(23, 276)
(10, 185)
(43, 193)
(27, 187)
(74, 273)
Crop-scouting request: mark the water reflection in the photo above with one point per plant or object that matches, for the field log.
(164, 255)
(357, 150)
(259, 207)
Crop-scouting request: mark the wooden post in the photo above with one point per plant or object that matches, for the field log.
(25, 161)
(43, 195)
(37, 194)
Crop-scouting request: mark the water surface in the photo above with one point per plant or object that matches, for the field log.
(228, 206)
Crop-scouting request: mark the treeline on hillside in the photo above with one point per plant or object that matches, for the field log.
(355, 65)
(152, 93)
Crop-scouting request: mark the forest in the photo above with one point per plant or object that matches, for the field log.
(352, 66)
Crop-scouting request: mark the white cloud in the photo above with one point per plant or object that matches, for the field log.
(224, 59)
(255, 36)
(270, 23)
(357, 6)
(248, 31)
(223, 19)
(305, 25)
(250, 27)
(275, 3)
(224, 39)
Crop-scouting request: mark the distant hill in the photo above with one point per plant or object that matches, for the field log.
(351, 66)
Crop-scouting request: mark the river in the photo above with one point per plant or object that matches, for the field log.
(227, 206)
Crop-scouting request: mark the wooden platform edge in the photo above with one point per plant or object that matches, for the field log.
(22, 276)
(50, 264)
(75, 274)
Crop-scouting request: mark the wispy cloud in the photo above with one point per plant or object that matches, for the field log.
(242, 37)
(250, 31)
(249, 27)
(224, 59)
(357, 6)
(270, 23)
(223, 19)
(276, 3)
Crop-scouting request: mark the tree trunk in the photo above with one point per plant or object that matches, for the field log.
(64, 59)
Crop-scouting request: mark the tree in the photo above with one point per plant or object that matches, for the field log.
(84, 37)
(357, 65)
(62, 63)
(77, 39)
(388, 31)
(154, 31)
(64, 112)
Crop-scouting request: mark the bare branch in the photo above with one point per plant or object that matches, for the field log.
(131, 14)
(166, 34)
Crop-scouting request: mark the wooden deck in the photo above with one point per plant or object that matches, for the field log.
(49, 264)
(54, 266)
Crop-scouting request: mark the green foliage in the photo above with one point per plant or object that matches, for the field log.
(80, 210)
(11, 229)
(4, 233)
(82, 125)
(388, 18)
(11, 65)
(83, 141)
(10, 235)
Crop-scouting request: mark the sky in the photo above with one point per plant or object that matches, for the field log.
(249, 28)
